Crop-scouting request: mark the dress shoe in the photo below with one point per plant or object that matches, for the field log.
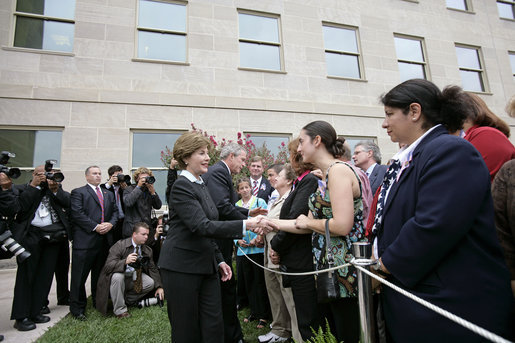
(40, 319)
(45, 310)
(123, 315)
(24, 324)
(1, 338)
(80, 316)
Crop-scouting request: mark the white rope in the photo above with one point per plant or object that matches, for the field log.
(316, 272)
(472, 327)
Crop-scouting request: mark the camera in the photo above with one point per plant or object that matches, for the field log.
(49, 165)
(9, 244)
(123, 178)
(141, 262)
(151, 301)
(13, 173)
(166, 226)
(150, 179)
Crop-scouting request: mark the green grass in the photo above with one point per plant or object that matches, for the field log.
(149, 324)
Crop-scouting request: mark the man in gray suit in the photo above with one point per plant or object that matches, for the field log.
(367, 156)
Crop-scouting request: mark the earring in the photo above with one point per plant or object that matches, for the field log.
(186, 163)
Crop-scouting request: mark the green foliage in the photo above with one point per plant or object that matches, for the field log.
(323, 336)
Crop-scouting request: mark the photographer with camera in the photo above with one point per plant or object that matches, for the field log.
(42, 227)
(139, 199)
(129, 274)
(116, 184)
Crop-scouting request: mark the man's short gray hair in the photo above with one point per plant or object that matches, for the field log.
(231, 148)
(371, 146)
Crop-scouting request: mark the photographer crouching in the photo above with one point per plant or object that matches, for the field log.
(129, 274)
(139, 199)
(42, 226)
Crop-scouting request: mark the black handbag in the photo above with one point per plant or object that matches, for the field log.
(328, 288)
(54, 233)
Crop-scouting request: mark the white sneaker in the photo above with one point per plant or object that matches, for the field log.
(271, 338)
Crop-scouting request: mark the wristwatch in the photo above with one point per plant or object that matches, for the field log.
(378, 267)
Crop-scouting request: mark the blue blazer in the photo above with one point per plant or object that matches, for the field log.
(439, 242)
(376, 177)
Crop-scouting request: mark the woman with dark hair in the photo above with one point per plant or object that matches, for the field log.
(488, 134)
(190, 262)
(434, 224)
(294, 250)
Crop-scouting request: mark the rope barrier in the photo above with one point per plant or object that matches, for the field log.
(465, 323)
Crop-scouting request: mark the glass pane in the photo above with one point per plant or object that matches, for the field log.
(409, 49)
(47, 147)
(161, 46)
(409, 71)
(43, 34)
(342, 65)
(161, 15)
(259, 56)
(471, 81)
(258, 28)
(468, 58)
(272, 143)
(457, 4)
(506, 10)
(147, 147)
(160, 184)
(512, 62)
(340, 39)
(20, 142)
(52, 8)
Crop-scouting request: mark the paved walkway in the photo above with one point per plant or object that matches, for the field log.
(11, 335)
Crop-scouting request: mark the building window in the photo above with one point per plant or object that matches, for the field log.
(45, 25)
(506, 9)
(32, 148)
(161, 31)
(512, 62)
(462, 5)
(260, 41)
(274, 143)
(471, 68)
(342, 52)
(411, 57)
(146, 152)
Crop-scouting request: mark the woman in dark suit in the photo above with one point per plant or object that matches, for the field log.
(435, 231)
(189, 260)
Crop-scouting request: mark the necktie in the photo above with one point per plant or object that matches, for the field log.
(101, 200)
(389, 177)
(138, 283)
(255, 188)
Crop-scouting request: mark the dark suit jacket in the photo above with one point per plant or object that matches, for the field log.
(219, 182)
(138, 207)
(439, 242)
(189, 246)
(295, 249)
(115, 263)
(265, 189)
(376, 177)
(86, 214)
(30, 197)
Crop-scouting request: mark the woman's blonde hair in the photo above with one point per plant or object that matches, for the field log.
(142, 170)
(187, 144)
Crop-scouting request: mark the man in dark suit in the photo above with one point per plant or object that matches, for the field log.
(261, 187)
(116, 187)
(41, 226)
(367, 156)
(93, 212)
(219, 183)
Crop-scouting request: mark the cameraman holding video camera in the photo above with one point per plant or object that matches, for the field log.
(139, 199)
(42, 226)
(117, 184)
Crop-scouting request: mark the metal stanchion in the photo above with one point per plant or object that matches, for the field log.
(362, 252)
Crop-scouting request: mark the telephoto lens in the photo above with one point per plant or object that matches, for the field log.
(150, 179)
(147, 302)
(10, 244)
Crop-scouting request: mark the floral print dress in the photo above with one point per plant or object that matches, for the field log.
(341, 246)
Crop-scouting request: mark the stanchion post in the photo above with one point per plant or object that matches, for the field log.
(362, 252)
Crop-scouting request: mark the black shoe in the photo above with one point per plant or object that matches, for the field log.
(24, 324)
(1, 338)
(45, 310)
(80, 316)
(40, 319)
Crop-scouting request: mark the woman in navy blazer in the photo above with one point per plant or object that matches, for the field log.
(435, 231)
(190, 260)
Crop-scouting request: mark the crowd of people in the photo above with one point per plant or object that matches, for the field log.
(428, 214)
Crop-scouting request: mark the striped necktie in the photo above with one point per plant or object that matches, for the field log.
(255, 188)
(101, 200)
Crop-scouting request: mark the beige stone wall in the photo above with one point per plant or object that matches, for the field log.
(99, 94)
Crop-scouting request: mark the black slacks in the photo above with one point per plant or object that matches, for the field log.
(255, 285)
(241, 290)
(232, 327)
(194, 307)
(84, 261)
(306, 307)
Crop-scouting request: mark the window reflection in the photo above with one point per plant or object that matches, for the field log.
(342, 65)
(147, 147)
(264, 29)
(409, 71)
(467, 58)
(340, 39)
(273, 143)
(160, 46)
(471, 81)
(457, 4)
(506, 10)
(259, 56)
(162, 15)
(52, 8)
(409, 49)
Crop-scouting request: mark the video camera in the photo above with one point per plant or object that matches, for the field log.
(49, 165)
(123, 178)
(13, 173)
(141, 262)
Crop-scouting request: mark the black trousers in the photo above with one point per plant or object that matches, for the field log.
(306, 307)
(232, 327)
(241, 290)
(34, 276)
(194, 307)
(62, 268)
(343, 319)
(83, 262)
(255, 284)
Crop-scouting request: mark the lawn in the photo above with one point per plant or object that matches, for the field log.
(146, 325)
